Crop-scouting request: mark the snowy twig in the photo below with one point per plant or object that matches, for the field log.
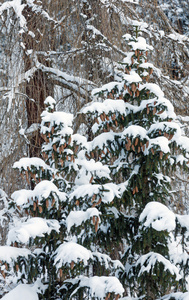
(181, 179)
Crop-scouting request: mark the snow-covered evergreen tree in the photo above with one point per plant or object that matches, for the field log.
(138, 137)
(61, 220)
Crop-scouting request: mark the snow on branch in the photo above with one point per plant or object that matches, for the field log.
(134, 131)
(132, 77)
(78, 217)
(107, 192)
(18, 7)
(41, 191)
(9, 254)
(106, 260)
(38, 9)
(176, 296)
(98, 287)
(32, 228)
(183, 221)
(30, 162)
(120, 107)
(140, 44)
(73, 83)
(158, 216)
(148, 261)
(56, 118)
(4, 213)
(108, 106)
(96, 32)
(70, 251)
(90, 168)
(102, 141)
(22, 292)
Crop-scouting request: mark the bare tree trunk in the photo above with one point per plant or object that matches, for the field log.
(38, 87)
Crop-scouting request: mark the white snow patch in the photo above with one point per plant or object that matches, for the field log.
(31, 229)
(70, 251)
(41, 191)
(184, 222)
(101, 141)
(134, 131)
(29, 52)
(177, 296)
(178, 37)
(50, 102)
(106, 87)
(131, 1)
(140, 44)
(106, 260)
(26, 162)
(166, 126)
(158, 216)
(78, 217)
(162, 33)
(132, 77)
(108, 106)
(31, 33)
(127, 37)
(9, 254)
(183, 142)
(162, 143)
(101, 286)
(151, 258)
(22, 292)
(89, 168)
(139, 24)
(34, 127)
(127, 59)
(154, 88)
(146, 66)
(106, 191)
(57, 117)
(79, 139)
